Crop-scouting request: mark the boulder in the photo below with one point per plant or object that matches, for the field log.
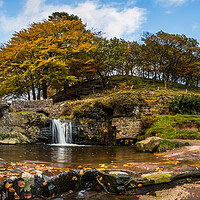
(150, 144)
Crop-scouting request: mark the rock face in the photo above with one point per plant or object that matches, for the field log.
(127, 127)
(23, 127)
(150, 144)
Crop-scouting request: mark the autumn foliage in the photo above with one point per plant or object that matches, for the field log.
(51, 55)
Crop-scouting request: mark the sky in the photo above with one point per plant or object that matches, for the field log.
(127, 19)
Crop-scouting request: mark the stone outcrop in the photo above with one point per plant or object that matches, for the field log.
(23, 127)
(150, 144)
(156, 144)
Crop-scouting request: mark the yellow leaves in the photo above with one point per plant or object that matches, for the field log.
(70, 191)
(81, 172)
(108, 183)
(139, 185)
(100, 178)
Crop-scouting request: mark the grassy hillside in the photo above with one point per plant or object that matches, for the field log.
(94, 102)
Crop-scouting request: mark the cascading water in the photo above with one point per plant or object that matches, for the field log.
(62, 131)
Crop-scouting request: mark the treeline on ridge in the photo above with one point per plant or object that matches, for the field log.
(51, 55)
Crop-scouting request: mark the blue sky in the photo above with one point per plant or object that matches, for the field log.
(126, 19)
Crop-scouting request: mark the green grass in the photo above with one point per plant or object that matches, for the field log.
(175, 127)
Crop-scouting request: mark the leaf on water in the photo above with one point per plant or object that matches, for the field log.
(28, 196)
(32, 172)
(8, 185)
(20, 183)
(67, 170)
(102, 165)
(70, 191)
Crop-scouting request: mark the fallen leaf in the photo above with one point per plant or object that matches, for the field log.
(8, 185)
(53, 195)
(44, 183)
(139, 185)
(108, 183)
(28, 196)
(81, 172)
(20, 183)
(16, 196)
(74, 178)
(100, 178)
(70, 191)
(11, 189)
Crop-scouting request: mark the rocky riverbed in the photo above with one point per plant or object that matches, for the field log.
(176, 178)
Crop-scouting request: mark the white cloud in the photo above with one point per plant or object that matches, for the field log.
(114, 22)
(172, 2)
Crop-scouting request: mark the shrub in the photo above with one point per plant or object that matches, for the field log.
(185, 104)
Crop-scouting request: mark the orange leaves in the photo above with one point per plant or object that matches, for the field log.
(81, 172)
(28, 196)
(21, 183)
(16, 196)
(139, 185)
(8, 185)
(74, 178)
(11, 189)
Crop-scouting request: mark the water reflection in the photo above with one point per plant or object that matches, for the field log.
(73, 156)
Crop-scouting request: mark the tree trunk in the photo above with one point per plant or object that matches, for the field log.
(44, 91)
(38, 94)
(29, 96)
(33, 92)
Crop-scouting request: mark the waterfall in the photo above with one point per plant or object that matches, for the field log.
(61, 131)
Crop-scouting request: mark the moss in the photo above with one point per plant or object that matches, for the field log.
(168, 145)
(158, 177)
(176, 126)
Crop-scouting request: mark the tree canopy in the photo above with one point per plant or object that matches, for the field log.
(53, 54)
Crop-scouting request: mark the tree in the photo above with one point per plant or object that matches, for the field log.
(41, 56)
(168, 53)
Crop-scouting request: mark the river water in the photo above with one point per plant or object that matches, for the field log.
(77, 157)
(74, 156)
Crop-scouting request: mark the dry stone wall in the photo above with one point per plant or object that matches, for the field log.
(32, 105)
(127, 127)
